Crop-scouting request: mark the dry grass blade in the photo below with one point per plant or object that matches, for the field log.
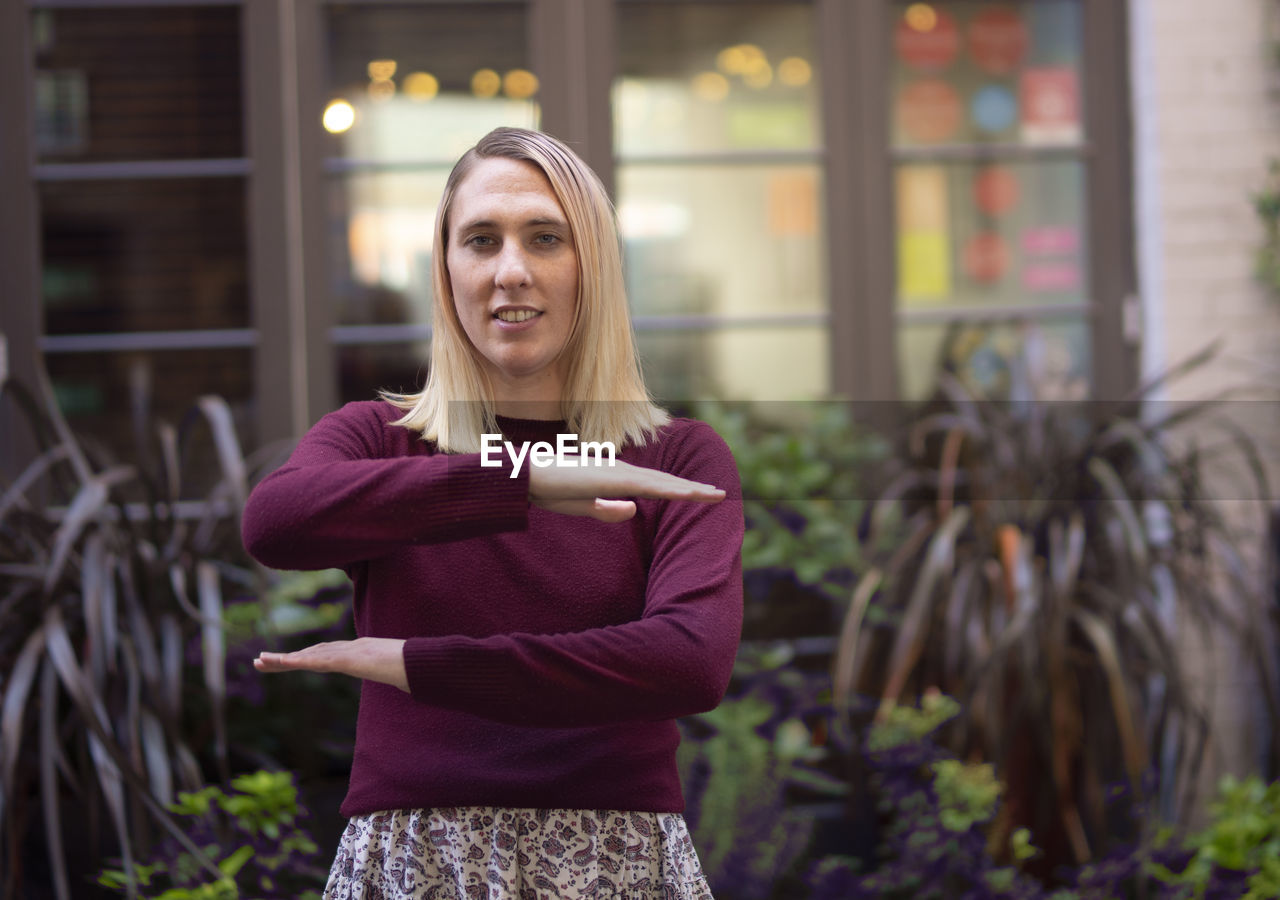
(62, 656)
(956, 619)
(53, 412)
(112, 784)
(143, 641)
(846, 660)
(912, 633)
(15, 493)
(1067, 571)
(213, 639)
(171, 666)
(49, 780)
(90, 500)
(156, 754)
(16, 691)
(1113, 486)
(218, 414)
(94, 575)
(178, 581)
(1100, 636)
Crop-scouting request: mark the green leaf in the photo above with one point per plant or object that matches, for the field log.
(232, 865)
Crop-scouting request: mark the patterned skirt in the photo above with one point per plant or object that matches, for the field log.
(489, 853)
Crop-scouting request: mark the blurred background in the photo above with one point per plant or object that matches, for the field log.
(1050, 200)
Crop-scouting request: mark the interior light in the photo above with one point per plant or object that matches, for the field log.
(339, 115)
(382, 69)
(759, 74)
(731, 61)
(739, 59)
(421, 86)
(486, 83)
(710, 86)
(921, 17)
(795, 71)
(520, 84)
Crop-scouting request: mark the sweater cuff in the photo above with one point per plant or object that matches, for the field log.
(484, 499)
(432, 664)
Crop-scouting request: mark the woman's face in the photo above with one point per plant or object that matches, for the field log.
(514, 272)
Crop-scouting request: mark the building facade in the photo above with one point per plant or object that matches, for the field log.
(817, 198)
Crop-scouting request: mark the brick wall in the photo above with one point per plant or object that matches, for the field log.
(1212, 122)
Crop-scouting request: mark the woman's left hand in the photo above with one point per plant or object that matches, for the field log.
(370, 658)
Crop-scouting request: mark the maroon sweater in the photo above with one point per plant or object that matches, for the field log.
(547, 655)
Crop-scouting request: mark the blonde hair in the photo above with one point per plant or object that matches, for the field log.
(605, 398)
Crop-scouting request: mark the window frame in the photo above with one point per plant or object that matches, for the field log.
(572, 47)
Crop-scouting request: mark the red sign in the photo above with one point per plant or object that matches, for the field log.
(1050, 105)
(996, 190)
(986, 257)
(927, 38)
(929, 110)
(998, 40)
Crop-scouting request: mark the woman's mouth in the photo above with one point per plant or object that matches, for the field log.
(516, 315)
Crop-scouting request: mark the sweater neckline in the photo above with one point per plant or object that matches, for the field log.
(530, 429)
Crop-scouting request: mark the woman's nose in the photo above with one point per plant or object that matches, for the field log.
(513, 267)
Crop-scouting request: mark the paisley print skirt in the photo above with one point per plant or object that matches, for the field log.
(488, 853)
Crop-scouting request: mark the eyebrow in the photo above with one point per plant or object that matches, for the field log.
(535, 221)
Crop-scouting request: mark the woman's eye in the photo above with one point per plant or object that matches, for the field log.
(480, 240)
(547, 238)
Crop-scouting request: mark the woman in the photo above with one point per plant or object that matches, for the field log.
(528, 633)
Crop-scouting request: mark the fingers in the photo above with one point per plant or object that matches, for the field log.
(595, 508)
(556, 483)
(324, 657)
(283, 662)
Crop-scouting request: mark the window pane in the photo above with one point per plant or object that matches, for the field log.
(987, 357)
(991, 233)
(96, 391)
(722, 240)
(714, 236)
(381, 237)
(116, 84)
(703, 77)
(425, 82)
(775, 363)
(365, 370)
(145, 255)
(966, 72)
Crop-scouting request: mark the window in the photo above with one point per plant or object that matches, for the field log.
(409, 89)
(815, 196)
(988, 144)
(717, 134)
(140, 183)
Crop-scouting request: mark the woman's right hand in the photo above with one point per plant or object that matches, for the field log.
(603, 490)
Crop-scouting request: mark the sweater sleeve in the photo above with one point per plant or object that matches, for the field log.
(338, 500)
(675, 660)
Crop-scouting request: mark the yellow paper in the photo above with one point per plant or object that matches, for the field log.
(924, 265)
(924, 245)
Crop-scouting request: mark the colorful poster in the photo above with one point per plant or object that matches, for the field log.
(924, 244)
(994, 108)
(986, 257)
(996, 190)
(998, 40)
(1051, 277)
(929, 111)
(927, 38)
(1052, 263)
(1051, 240)
(1050, 105)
